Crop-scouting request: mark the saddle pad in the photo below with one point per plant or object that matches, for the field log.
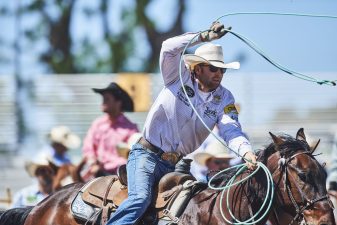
(81, 210)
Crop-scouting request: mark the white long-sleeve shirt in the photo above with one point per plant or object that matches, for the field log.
(172, 125)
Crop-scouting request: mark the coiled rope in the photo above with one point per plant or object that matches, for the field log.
(257, 217)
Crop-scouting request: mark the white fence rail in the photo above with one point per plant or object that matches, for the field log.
(269, 102)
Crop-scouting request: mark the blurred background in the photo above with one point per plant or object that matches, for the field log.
(52, 52)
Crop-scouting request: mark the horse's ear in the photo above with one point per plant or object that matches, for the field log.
(277, 141)
(314, 146)
(300, 135)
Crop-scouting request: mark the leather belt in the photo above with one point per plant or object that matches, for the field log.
(150, 146)
(172, 157)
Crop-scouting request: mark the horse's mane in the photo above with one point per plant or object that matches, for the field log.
(224, 177)
(289, 147)
(15, 216)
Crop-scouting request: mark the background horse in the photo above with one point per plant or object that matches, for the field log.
(67, 174)
(299, 192)
(61, 175)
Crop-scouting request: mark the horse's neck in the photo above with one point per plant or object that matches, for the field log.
(280, 217)
(63, 177)
(272, 162)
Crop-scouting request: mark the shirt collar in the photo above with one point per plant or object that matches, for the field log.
(211, 96)
(119, 119)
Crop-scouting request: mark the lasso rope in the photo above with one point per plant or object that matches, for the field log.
(260, 52)
(266, 57)
(243, 167)
(257, 217)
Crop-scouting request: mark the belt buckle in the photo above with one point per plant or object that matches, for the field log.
(171, 157)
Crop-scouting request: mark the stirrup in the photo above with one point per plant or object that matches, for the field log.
(167, 213)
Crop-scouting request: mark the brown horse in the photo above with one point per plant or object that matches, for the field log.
(283, 217)
(299, 185)
(333, 196)
(300, 191)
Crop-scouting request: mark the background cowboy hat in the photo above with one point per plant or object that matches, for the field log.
(63, 135)
(123, 148)
(42, 160)
(214, 149)
(209, 54)
(120, 94)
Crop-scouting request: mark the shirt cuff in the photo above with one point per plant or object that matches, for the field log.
(241, 145)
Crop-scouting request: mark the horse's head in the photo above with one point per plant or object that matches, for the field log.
(43, 170)
(45, 175)
(299, 178)
(67, 174)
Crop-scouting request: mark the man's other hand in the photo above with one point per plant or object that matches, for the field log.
(216, 31)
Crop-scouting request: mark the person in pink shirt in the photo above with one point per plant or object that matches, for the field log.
(100, 143)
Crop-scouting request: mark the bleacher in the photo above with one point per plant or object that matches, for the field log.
(7, 115)
(68, 100)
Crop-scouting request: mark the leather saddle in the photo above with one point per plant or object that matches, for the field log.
(98, 199)
(105, 194)
(168, 185)
(105, 190)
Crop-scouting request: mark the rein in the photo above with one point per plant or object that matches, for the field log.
(283, 166)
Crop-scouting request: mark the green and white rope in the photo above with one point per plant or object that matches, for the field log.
(257, 217)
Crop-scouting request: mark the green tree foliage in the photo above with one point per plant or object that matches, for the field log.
(155, 37)
(64, 52)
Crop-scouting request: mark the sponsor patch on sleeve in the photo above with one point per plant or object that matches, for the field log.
(230, 109)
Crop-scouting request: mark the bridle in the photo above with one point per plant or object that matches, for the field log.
(283, 165)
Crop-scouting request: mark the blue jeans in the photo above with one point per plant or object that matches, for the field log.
(144, 171)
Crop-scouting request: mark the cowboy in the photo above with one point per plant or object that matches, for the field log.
(215, 158)
(43, 171)
(172, 129)
(61, 139)
(100, 143)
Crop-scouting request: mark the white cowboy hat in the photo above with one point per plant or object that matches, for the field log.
(210, 54)
(64, 136)
(123, 148)
(214, 149)
(39, 161)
